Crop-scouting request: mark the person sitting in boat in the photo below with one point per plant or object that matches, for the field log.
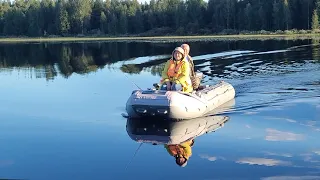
(181, 152)
(186, 49)
(176, 73)
(195, 82)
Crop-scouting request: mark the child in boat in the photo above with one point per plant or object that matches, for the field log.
(176, 73)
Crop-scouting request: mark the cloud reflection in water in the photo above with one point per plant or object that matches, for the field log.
(276, 135)
(263, 161)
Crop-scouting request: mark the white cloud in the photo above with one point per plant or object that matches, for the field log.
(309, 124)
(308, 157)
(263, 161)
(250, 112)
(211, 158)
(291, 178)
(313, 125)
(278, 154)
(276, 135)
(286, 119)
(290, 120)
(248, 126)
(244, 138)
(317, 152)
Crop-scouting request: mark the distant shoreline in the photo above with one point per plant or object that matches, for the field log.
(155, 38)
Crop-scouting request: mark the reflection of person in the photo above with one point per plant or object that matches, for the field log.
(176, 73)
(181, 152)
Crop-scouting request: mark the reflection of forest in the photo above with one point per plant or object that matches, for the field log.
(154, 67)
(286, 55)
(47, 60)
(315, 50)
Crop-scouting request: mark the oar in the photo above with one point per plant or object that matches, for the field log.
(133, 156)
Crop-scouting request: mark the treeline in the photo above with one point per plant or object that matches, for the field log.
(114, 17)
(157, 17)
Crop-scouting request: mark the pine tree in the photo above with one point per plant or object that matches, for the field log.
(318, 7)
(248, 13)
(315, 20)
(96, 13)
(262, 18)
(103, 23)
(63, 22)
(275, 15)
(287, 15)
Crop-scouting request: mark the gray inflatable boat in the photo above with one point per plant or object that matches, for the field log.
(168, 132)
(177, 105)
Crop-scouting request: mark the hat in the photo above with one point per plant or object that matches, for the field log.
(179, 49)
(184, 164)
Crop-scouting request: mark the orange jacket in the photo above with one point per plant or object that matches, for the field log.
(183, 149)
(178, 72)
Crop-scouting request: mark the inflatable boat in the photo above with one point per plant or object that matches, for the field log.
(177, 105)
(159, 132)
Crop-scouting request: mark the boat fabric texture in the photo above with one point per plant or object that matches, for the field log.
(179, 105)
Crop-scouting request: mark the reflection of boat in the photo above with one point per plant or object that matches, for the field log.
(160, 131)
(168, 132)
(178, 105)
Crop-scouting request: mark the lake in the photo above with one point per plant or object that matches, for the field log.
(61, 107)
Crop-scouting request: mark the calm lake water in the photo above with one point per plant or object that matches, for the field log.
(61, 106)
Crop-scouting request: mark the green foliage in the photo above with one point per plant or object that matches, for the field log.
(176, 17)
(315, 21)
(62, 22)
(248, 15)
(103, 22)
(277, 15)
(287, 15)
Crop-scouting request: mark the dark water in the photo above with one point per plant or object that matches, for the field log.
(61, 105)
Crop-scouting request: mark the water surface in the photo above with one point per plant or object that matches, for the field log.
(61, 106)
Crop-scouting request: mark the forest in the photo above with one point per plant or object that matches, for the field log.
(35, 18)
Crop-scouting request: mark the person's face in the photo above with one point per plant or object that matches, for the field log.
(186, 50)
(177, 55)
(181, 160)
